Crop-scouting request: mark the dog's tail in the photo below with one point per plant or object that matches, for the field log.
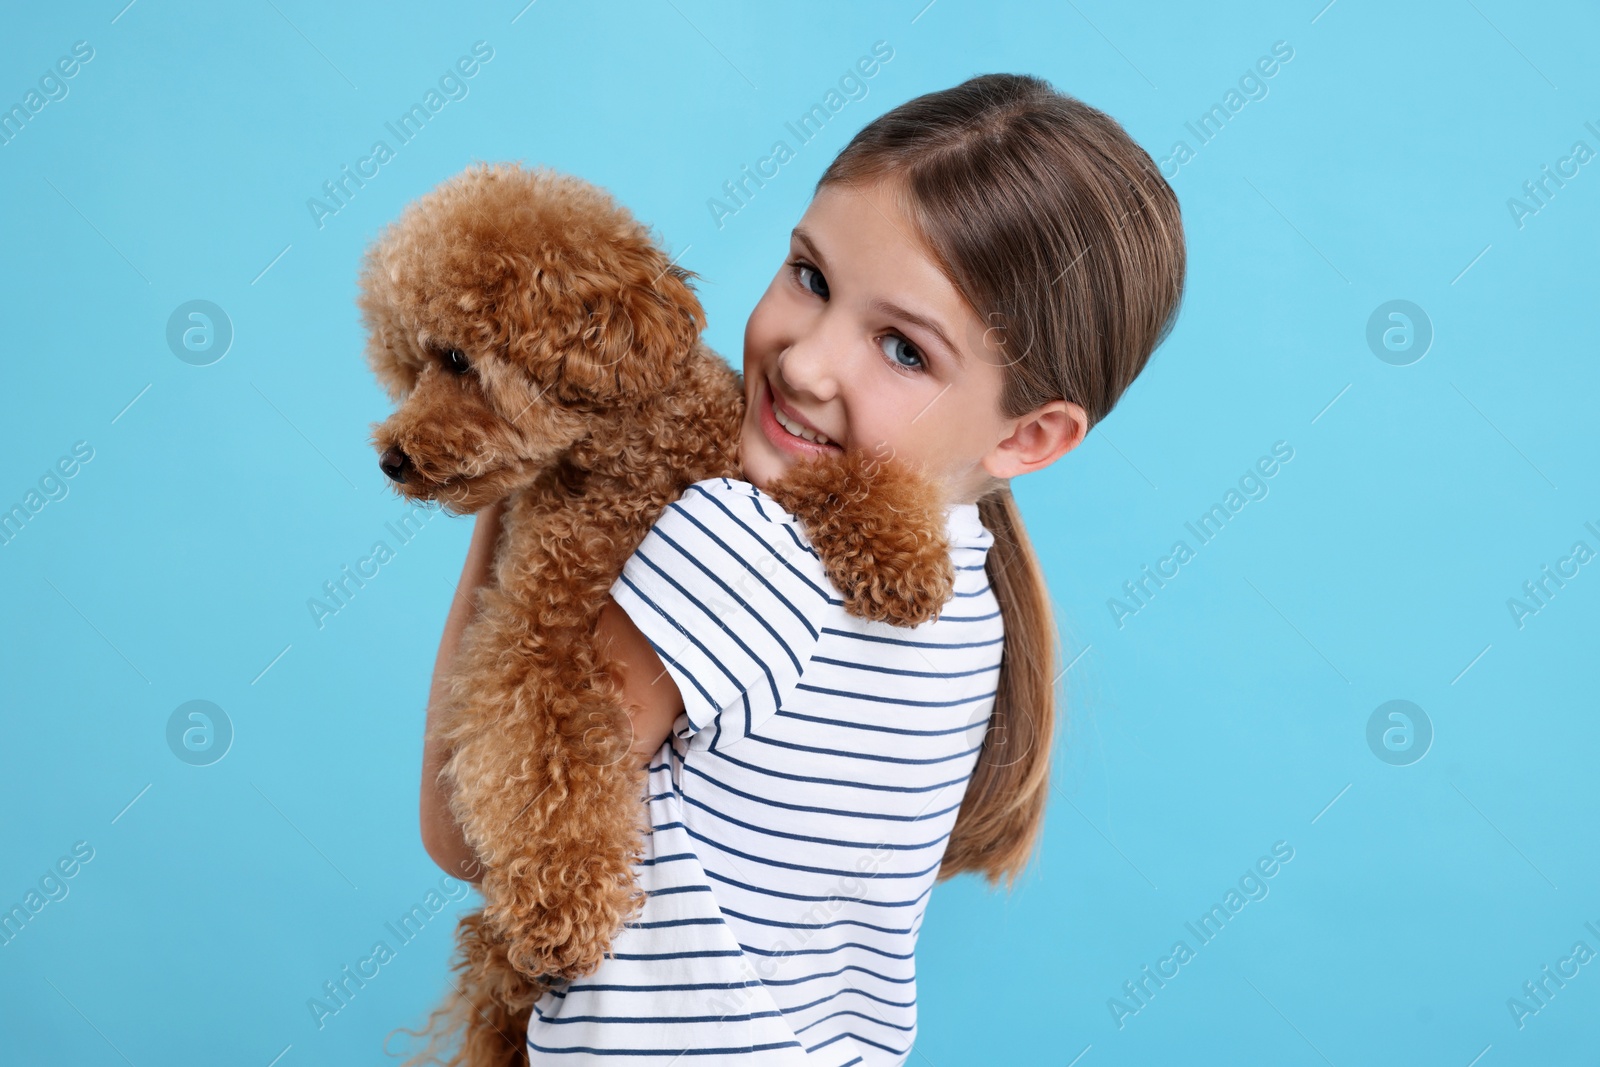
(486, 1010)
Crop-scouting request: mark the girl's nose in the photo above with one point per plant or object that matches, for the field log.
(807, 367)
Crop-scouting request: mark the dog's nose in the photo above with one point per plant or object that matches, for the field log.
(395, 463)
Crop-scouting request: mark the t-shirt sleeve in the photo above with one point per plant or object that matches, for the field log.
(731, 595)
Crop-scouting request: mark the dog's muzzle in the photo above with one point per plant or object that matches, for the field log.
(395, 463)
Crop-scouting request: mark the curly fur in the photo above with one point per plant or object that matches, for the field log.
(590, 403)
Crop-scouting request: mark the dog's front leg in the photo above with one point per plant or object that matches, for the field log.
(879, 527)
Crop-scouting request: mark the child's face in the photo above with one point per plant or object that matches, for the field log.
(819, 345)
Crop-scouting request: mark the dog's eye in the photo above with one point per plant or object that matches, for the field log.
(455, 361)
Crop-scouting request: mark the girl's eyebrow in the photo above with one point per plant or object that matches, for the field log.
(923, 321)
(889, 307)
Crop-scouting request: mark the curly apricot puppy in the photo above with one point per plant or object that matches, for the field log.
(543, 350)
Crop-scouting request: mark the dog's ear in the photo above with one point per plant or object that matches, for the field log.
(643, 321)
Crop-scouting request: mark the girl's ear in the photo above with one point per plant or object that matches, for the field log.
(1038, 439)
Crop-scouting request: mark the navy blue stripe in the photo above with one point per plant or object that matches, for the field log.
(863, 1040)
(697, 954)
(813, 808)
(874, 699)
(667, 987)
(862, 755)
(769, 832)
(825, 951)
(995, 614)
(666, 859)
(852, 1011)
(763, 891)
(659, 923)
(835, 974)
(744, 1017)
(882, 729)
(853, 665)
(587, 1050)
(814, 926)
(841, 781)
(910, 644)
(674, 890)
(753, 858)
(848, 991)
(801, 545)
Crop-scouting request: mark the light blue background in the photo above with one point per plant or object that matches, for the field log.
(1228, 714)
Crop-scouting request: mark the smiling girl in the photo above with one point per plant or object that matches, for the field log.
(981, 274)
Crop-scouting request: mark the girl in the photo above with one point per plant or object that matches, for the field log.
(981, 274)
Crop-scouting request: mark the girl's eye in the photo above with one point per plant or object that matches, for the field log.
(898, 348)
(798, 268)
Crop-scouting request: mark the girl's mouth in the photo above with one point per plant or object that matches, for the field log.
(798, 440)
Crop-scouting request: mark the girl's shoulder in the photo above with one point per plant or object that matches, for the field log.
(742, 519)
(740, 501)
(732, 598)
(747, 504)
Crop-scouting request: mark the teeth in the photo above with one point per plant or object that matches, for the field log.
(797, 430)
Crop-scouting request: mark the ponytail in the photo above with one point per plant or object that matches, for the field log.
(998, 825)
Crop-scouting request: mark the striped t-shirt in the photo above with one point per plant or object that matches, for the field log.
(800, 807)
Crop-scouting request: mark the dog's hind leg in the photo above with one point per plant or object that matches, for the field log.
(545, 792)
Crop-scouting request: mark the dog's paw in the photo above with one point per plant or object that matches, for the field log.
(566, 926)
(564, 886)
(879, 528)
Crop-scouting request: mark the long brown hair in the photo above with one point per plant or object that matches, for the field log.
(1058, 229)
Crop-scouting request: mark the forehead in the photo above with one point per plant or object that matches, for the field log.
(863, 223)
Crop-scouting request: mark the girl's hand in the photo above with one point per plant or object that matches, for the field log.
(441, 834)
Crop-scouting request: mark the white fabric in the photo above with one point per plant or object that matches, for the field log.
(800, 806)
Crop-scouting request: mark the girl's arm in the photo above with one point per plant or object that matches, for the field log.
(649, 692)
(441, 834)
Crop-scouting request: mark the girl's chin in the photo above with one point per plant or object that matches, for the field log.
(760, 466)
